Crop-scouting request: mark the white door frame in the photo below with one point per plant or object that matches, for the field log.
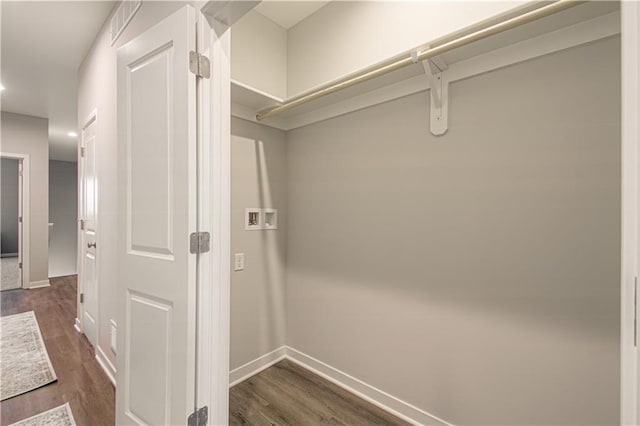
(23, 242)
(214, 135)
(214, 138)
(79, 324)
(630, 378)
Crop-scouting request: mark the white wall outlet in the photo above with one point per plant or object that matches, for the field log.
(238, 264)
(252, 219)
(113, 336)
(270, 218)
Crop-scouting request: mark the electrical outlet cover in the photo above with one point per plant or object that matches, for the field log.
(238, 264)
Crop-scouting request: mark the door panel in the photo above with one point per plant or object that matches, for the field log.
(89, 211)
(150, 149)
(156, 214)
(151, 321)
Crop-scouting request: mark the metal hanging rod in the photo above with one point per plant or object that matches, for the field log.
(413, 58)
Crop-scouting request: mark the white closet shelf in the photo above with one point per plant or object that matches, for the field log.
(251, 97)
(579, 25)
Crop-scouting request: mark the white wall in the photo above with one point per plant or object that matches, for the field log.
(22, 134)
(259, 54)
(97, 90)
(258, 180)
(63, 213)
(474, 275)
(345, 36)
(9, 204)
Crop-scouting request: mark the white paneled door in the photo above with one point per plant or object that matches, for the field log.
(157, 212)
(88, 231)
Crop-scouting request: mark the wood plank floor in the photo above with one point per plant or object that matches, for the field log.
(284, 394)
(287, 394)
(81, 381)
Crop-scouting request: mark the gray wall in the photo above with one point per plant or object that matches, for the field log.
(22, 134)
(474, 275)
(258, 179)
(9, 203)
(63, 213)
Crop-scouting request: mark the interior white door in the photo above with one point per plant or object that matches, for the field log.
(88, 231)
(157, 212)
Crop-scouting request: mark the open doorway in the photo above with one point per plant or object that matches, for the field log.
(13, 242)
(63, 215)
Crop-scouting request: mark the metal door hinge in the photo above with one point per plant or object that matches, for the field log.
(81, 297)
(199, 417)
(199, 242)
(82, 224)
(20, 265)
(199, 64)
(82, 151)
(20, 219)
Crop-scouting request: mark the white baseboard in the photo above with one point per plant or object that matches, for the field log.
(64, 274)
(76, 325)
(39, 284)
(106, 365)
(377, 397)
(381, 399)
(252, 368)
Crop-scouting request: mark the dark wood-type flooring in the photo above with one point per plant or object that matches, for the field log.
(284, 394)
(81, 381)
(287, 394)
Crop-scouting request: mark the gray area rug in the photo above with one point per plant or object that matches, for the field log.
(10, 273)
(24, 362)
(59, 416)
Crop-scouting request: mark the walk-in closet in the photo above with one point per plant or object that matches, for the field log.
(426, 213)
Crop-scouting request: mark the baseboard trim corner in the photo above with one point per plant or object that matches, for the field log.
(252, 368)
(106, 365)
(76, 325)
(39, 284)
(377, 397)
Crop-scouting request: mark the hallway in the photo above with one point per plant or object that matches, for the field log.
(81, 381)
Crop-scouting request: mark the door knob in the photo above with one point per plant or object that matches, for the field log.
(89, 245)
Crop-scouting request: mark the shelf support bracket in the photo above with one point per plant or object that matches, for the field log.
(439, 92)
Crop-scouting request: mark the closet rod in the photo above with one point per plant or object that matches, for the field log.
(385, 68)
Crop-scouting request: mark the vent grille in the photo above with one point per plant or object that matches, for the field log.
(122, 17)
